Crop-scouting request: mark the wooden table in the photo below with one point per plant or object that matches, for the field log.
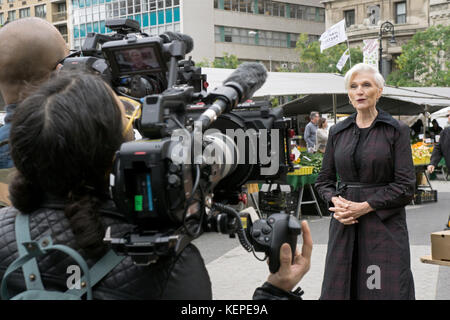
(427, 259)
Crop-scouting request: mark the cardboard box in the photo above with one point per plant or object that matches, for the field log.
(440, 245)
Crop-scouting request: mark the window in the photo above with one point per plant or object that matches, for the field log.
(23, 13)
(227, 4)
(12, 15)
(216, 4)
(400, 12)
(2, 19)
(321, 15)
(10, 1)
(40, 11)
(62, 7)
(293, 40)
(152, 5)
(349, 17)
(228, 36)
(276, 9)
(293, 11)
(301, 13)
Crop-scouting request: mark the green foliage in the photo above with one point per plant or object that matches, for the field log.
(229, 61)
(425, 59)
(203, 64)
(312, 60)
(275, 102)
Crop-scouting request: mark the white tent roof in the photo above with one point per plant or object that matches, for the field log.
(293, 83)
(318, 86)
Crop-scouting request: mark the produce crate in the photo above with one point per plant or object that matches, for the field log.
(303, 171)
(421, 161)
(423, 196)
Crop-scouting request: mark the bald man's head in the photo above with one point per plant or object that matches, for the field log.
(30, 49)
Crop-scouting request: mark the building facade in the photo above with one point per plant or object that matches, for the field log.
(440, 12)
(364, 18)
(54, 11)
(253, 30)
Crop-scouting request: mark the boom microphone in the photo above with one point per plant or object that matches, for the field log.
(169, 36)
(237, 88)
(247, 79)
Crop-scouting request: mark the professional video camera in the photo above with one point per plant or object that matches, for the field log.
(198, 150)
(135, 64)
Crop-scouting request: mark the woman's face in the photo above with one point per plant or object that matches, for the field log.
(363, 91)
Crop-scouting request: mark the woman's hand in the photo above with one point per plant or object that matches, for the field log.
(346, 212)
(289, 274)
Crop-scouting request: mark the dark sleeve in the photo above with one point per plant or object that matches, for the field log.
(436, 156)
(269, 292)
(326, 180)
(188, 272)
(400, 192)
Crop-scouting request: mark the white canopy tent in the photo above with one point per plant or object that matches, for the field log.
(326, 93)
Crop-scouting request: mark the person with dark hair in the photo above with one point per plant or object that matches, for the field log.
(63, 140)
(417, 128)
(435, 128)
(321, 135)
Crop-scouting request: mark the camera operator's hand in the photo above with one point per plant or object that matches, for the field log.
(290, 274)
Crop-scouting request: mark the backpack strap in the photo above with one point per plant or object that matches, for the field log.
(30, 249)
(105, 265)
(30, 269)
(35, 249)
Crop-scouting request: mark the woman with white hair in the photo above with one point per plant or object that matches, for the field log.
(368, 248)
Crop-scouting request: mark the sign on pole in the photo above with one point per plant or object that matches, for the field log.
(343, 60)
(370, 52)
(333, 36)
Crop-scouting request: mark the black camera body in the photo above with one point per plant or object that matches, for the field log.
(198, 148)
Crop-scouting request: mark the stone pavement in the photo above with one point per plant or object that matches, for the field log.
(236, 274)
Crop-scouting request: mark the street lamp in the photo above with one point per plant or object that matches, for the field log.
(384, 28)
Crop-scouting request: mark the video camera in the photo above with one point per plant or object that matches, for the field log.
(198, 150)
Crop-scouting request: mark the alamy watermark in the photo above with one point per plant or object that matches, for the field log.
(374, 280)
(214, 147)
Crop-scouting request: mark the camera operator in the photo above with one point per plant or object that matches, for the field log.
(63, 140)
(30, 50)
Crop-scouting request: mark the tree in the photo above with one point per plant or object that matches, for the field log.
(229, 61)
(312, 60)
(425, 59)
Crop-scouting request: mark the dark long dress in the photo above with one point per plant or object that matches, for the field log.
(382, 244)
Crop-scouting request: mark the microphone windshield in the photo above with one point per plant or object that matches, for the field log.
(170, 36)
(249, 77)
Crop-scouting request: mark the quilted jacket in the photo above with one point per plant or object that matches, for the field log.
(182, 277)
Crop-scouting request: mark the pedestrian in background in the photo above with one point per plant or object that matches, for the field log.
(368, 255)
(310, 131)
(322, 135)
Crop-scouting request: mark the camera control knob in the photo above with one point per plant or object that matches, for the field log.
(266, 230)
(173, 168)
(256, 233)
(174, 180)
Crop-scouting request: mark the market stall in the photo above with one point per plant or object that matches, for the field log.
(305, 178)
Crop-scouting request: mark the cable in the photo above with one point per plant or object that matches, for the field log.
(240, 231)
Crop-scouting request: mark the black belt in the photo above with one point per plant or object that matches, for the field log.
(343, 185)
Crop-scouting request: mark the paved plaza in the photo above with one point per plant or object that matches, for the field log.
(236, 273)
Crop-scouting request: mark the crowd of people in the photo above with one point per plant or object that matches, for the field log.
(59, 139)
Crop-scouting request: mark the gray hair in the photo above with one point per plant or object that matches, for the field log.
(362, 67)
(313, 114)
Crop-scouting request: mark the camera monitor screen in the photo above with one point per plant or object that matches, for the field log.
(136, 60)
